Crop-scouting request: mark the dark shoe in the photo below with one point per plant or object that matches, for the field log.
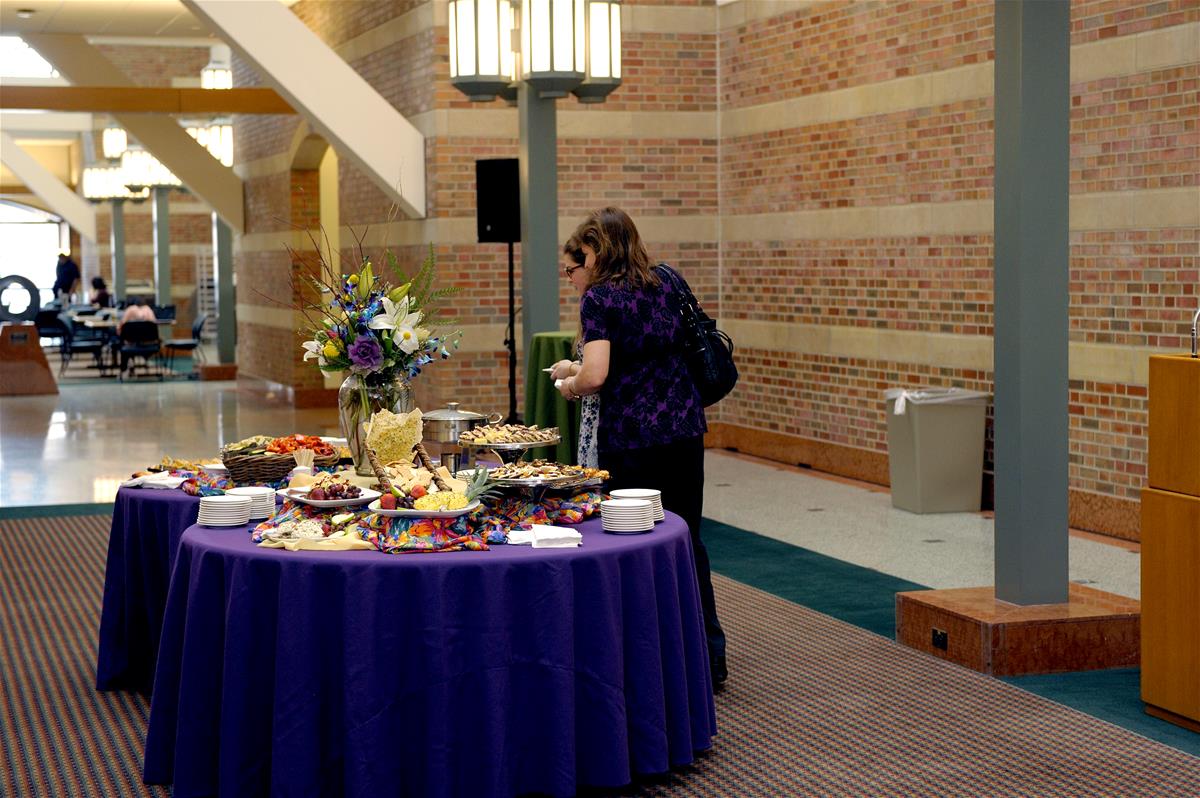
(720, 672)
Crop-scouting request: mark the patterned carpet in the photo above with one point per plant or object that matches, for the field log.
(814, 707)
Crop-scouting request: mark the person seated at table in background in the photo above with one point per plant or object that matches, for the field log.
(66, 275)
(138, 310)
(651, 433)
(100, 296)
(572, 262)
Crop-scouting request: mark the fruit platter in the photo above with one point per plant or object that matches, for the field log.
(421, 492)
(326, 490)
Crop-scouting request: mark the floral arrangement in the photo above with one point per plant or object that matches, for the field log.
(377, 330)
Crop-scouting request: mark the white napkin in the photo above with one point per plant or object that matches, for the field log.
(157, 481)
(545, 537)
(555, 537)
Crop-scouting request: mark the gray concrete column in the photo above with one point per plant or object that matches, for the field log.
(1032, 102)
(116, 244)
(159, 196)
(226, 300)
(539, 213)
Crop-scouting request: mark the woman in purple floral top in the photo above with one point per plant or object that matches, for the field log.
(651, 426)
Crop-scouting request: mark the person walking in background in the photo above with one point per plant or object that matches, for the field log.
(651, 433)
(572, 262)
(100, 296)
(66, 275)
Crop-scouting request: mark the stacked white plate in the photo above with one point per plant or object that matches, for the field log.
(649, 494)
(262, 500)
(627, 516)
(225, 510)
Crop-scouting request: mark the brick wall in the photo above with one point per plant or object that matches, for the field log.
(875, 117)
(1130, 285)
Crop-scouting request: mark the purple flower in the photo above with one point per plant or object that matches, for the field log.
(366, 355)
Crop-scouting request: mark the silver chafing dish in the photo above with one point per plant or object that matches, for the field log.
(441, 428)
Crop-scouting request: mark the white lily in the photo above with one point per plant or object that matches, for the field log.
(394, 316)
(312, 349)
(405, 339)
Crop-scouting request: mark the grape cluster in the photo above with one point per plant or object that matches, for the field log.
(335, 491)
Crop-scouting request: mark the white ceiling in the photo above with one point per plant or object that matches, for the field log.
(101, 18)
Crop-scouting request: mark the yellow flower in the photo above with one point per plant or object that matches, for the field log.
(352, 279)
(330, 350)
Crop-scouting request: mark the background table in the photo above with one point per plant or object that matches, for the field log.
(468, 673)
(146, 527)
(544, 405)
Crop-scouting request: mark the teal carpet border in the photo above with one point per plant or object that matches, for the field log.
(867, 599)
(848, 592)
(50, 510)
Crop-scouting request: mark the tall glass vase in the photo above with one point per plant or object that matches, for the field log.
(358, 398)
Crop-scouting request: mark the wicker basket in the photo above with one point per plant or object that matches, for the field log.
(266, 469)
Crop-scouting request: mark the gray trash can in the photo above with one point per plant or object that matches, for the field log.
(935, 448)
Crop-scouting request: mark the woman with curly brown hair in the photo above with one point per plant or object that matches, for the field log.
(651, 430)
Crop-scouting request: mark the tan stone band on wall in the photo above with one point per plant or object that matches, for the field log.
(145, 250)
(742, 12)
(1125, 210)
(1127, 365)
(265, 316)
(177, 208)
(476, 338)
(460, 231)
(1126, 55)
(502, 123)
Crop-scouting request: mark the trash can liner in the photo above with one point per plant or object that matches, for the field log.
(933, 396)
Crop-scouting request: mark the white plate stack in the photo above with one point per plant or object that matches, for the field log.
(627, 516)
(225, 510)
(649, 494)
(262, 500)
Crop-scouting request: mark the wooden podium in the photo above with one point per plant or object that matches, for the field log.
(1171, 544)
(23, 367)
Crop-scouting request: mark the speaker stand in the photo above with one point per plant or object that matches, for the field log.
(510, 342)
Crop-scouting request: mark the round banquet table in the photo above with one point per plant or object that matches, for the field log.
(493, 673)
(146, 527)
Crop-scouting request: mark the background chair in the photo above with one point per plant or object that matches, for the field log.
(174, 345)
(74, 342)
(139, 341)
(50, 325)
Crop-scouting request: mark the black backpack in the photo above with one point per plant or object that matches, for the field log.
(707, 351)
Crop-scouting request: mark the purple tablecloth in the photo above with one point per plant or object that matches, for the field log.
(146, 527)
(476, 674)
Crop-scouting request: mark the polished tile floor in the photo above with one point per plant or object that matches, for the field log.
(78, 446)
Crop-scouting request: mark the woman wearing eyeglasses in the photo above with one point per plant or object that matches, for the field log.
(651, 433)
(573, 267)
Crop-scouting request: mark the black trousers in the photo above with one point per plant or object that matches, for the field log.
(676, 469)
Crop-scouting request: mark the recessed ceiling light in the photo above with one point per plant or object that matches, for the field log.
(25, 13)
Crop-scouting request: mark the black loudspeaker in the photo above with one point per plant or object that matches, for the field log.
(497, 201)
